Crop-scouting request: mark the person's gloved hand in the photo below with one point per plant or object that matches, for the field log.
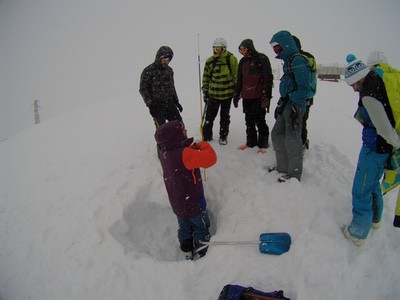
(295, 116)
(277, 112)
(153, 109)
(236, 99)
(205, 97)
(179, 106)
(265, 103)
(280, 107)
(396, 221)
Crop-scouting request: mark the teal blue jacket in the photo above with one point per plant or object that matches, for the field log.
(296, 86)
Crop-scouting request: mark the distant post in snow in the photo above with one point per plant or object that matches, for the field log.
(36, 107)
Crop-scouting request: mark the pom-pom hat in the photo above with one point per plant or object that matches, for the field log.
(355, 70)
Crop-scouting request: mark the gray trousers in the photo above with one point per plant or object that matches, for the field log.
(288, 144)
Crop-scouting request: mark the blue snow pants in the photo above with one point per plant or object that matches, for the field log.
(366, 192)
(196, 228)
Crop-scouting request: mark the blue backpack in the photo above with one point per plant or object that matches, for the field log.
(237, 292)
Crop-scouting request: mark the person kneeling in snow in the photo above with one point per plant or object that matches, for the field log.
(180, 160)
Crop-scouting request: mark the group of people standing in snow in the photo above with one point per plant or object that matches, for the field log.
(225, 80)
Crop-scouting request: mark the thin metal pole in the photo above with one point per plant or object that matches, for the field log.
(200, 92)
(202, 113)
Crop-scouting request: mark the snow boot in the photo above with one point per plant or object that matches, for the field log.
(187, 245)
(200, 249)
(347, 235)
(223, 141)
(284, 178)
(376, 225)
(272, 169)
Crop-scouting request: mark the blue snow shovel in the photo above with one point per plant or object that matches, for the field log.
(269, 243)
(274, 243)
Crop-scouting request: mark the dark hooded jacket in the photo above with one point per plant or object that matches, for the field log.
(180, 161)
(255, 79)
(157, 82)
(297, 86)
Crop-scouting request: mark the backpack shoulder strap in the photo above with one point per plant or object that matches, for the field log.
(309, 59)
(290, 70)
(214, 63)
(228, 61)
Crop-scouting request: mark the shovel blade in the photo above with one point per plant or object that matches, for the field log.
(275, 243)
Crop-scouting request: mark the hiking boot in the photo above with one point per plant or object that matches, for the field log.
(358, 242)
(187, 245)
(244, 147)
(272, 169)
(223, 141)
(200, 249)
(262, 151)
(376, 225)
(284, 178)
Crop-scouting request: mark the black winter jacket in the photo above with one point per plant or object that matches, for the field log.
(157, 82)
(255, 79)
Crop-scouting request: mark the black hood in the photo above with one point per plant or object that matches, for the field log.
(170, 135)
(248, 43)
(164, 52)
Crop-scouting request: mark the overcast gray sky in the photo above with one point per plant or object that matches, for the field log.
(70, 54)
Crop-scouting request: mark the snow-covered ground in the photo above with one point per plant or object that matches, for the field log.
(84, 213)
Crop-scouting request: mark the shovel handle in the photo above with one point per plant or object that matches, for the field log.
(232, 242)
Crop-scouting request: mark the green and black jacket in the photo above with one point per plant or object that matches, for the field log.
(219, 77)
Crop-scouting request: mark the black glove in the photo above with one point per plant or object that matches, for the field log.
(265, 102)
(295, 116)
(280, 106)
(153, 109)
(179, 106)
(396, 221)
(278, 112)
(236, 101)
(206, 96)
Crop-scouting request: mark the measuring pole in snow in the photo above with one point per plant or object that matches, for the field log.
(202, 112)
(200, 92)
(36, 107)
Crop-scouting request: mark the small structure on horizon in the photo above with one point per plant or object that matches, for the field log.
(329, 73)
(376, 57)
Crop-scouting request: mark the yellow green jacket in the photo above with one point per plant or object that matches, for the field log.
(219, 76)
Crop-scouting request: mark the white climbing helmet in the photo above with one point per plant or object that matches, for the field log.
(220, 42)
